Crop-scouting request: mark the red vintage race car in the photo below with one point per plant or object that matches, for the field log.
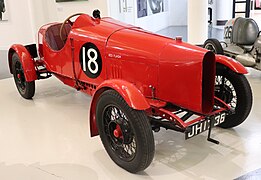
(140, 82)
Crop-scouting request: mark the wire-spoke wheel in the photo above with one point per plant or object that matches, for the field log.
(234, 90)
(26, 89)
(119, 134)
(126, 133)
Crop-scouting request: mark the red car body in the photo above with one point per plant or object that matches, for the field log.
(152, 73)
(133, 62)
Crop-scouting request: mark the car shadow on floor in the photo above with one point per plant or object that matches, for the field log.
(189, 157)
(195, 158)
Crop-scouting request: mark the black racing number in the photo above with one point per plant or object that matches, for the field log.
(228, 32)
(91, 61)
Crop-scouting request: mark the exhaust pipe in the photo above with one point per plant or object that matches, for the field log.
(246, 60)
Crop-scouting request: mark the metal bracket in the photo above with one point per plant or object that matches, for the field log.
(209, 131)
(152, 91)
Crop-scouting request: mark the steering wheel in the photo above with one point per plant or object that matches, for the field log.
(67, 20)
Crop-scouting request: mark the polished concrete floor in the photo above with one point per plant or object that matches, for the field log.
(48, 138)
(4, 69)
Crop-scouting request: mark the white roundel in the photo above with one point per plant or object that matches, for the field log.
(91, 61)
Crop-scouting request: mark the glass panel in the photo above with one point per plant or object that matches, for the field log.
(240, 7)
(240, 15)
(258, 4)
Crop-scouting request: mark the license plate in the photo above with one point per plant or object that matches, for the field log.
(204, 125)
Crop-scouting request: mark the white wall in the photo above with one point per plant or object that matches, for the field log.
(178, 12)
(18, 28)
(68, 8)
(114, 11)
(153, 22)
(176, 15)
(27, 16)
(256, 15)
(214, 12)
(224, 9)
(197, 21)
(45, 11)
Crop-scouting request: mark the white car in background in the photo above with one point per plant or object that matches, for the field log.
(242, 41)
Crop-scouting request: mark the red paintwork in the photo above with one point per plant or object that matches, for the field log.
(203, 117)
(232, 64)
(26, 61)
(117, 132)
(184, 64)
(149, 71)
(128, 91)
(156, 103)
(169, 115)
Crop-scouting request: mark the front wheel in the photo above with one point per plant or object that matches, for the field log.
(125, 133)
(26, 89)
(233, 89)
(213, 45)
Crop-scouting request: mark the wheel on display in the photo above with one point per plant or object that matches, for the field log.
(214, 46)
(125, 133)
(233, 89)
(26, 89)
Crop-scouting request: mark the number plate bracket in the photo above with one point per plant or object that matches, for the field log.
(205, 125)
(212, 122)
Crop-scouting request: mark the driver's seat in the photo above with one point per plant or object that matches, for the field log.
(52, 36)
(245, 31)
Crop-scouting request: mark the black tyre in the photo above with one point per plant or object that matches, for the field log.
(235, 90)
(125, 133)
(26, 89)
(214, 46)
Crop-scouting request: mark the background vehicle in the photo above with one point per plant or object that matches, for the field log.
(139, 81)
(241, 42)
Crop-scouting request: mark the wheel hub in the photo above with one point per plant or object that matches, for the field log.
(210, 47)
(120, 132)
(117, 132)
(19, 76)
(226, 94)
(226, 91)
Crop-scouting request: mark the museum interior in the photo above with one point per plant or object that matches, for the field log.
(130, 89)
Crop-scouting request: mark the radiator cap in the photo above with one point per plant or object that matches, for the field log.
(179, 39)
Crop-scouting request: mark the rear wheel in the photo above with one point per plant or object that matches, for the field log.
(26, 89)
(125, 133)
(214, 46)
(234, 90)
